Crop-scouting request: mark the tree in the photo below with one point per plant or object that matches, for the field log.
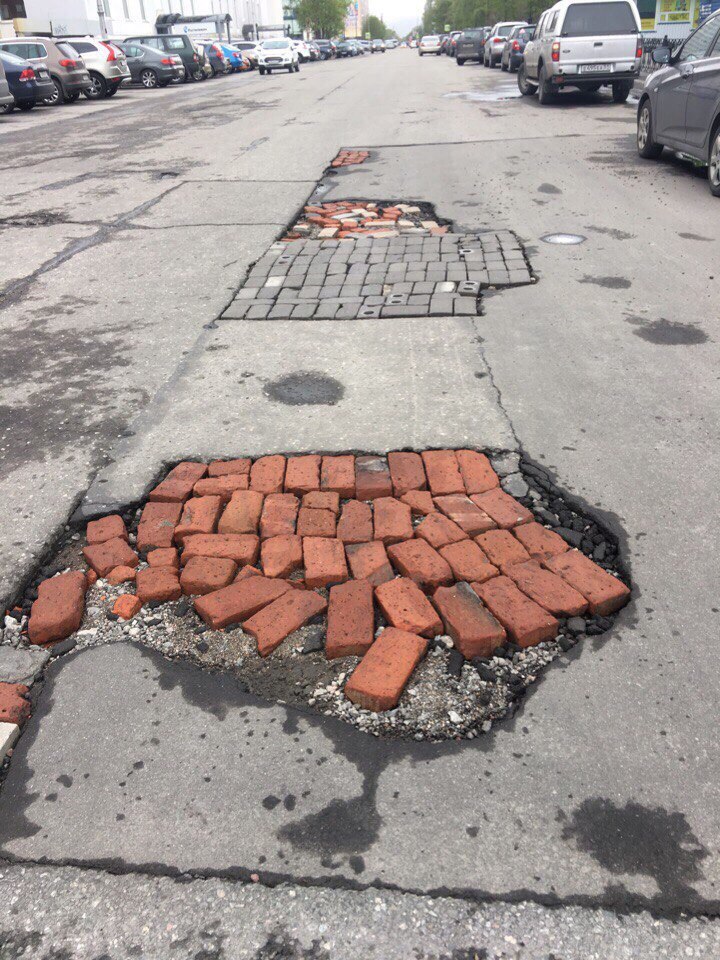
(325, 18)
(375, 27)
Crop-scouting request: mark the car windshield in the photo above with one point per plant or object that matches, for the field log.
(598, 20)
(505, 31)
(276, 45)
(430, 39)
(471, 34)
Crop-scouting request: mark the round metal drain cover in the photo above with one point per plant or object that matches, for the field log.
(564, 238)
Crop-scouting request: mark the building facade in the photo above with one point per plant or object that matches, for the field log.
(358, 12)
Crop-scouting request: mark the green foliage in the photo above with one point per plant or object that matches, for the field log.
(463, 14)
(376, 28)
(325, 18)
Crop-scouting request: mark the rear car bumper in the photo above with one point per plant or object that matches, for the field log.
(45, 89)
(590, 79)
(74, 83)
(471, 53)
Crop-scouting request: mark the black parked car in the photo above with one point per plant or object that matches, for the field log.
(28, 85)
(178, 45)
(512, 55)
(346, 49)
(326, 48)
(469, 46)
(152, 67)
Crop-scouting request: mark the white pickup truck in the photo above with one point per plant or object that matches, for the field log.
(586, 44)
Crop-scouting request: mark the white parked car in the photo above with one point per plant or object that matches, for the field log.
(302, 50)
(278, 55)
(429, 44)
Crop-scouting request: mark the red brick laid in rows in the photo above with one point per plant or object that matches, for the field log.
(539, 541)
(467, 515)
(121, 575)
(420, 502)
(351, 620)
(443, 472)
(372, 478)
(525, 621)
(356, 522)
(279, 515)
(157, 583)
(157, 525)
(439, 531)
(381, 676)
(200, 515)
(267, 474)
(502, 549)
(324, 560)
(242, 514)
(369, 561)
(302, 474)
(477, 472)
(242, 548)
(338, 474)
(281, 556)
(14, 708)
(271, 625)
(475, 631)
(163, 557)
(504, 509)
(59, 608)
(223, 487)
(205, 574)
(224, 468)
(392, 520)
(104, 557)
(407, 472)
(406, 606)
(127, 606)
(316, 523)
(239, 601)
(547, 589)
(178, 484)
(417, 560)
(605, 594)
(322, 500)
(468, 562)
(98, 531)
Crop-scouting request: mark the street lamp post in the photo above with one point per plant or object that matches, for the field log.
(101, 18)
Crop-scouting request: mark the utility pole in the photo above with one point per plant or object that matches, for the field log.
(101, 18)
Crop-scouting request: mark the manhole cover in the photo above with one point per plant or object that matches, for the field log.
(567, 239)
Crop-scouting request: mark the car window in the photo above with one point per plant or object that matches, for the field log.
(82, 47)
(153, 42)
(697, 44)
(505, 31)
(19, 49)
(598, 20)
(174, 43)
(12, 58)
(66, 50)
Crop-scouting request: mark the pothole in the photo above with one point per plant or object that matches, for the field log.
(305, 387)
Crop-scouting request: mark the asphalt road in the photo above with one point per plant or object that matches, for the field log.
(125, 230)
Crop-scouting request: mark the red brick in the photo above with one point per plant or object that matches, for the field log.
(98, 531)
(206, 574)
(279, 515)
(462, 511)
(525, 621)
(280, 556)
(14, 708)
(547, 589)
(355, 524)
(302, 474)
(127, 606)
(407, 472)
(502, 549)
(540, 542)
(163, 557)
(223, 487)
(338, 474)
(267, 474)
(417, 560)
(121, 575)
(351, 620)
(239, 601)
(200, 515)
(406, 606)
(439, 531)
(104, 557)
(91, 577)
(224, 468)
(392, 520)
(178, 484)
(504, 509)
(372, 478)
(468, 562)
(420, 502)
(605, 594)
(443, 472)
(322, 500)
(476, 471)
(474, 630)
(271, 625)
(242, 514)
(324, 561)
(248, 572)
(157, 583)
(369, 561)
(316, 523)
(242, 548)
(157, 525)
(381, 676)
(59, 608)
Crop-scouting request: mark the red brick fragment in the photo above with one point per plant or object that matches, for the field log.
(242, 548)
(338, 474)
(223, 487)
(406, 606)
(157, 583)
(420, 502)
(14, 708)
(525, 621)
(271, 625)
(351, 619)
(462, 511)
(157, 525)
(502, 549)
(372, 478)
(540, 542)
(282, 555)
(504, 509)
(178, 484)
(417, 560)
(355, 524)
(248, 571)
(324, 561)
(59, 608)
(322, 500)
(476, 471)
(239, 601)
(443, 472)
(242, 514)
(279, 515)
(605, 594)
(225, 468)
(474, 629)
(302, 474)
(267, 474)
(127, 606)
(392, 521)
(200, 515)
(369, 561)
(121, 575)
(316, 523)
(104, 557)
(163, 557)
(468, 562)
(205, 574)
(438, 530)
(381, 676)
(99, 531)
(407, 472)
(546, 588)
(91, 577)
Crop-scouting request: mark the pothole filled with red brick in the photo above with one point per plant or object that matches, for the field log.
(413, 595)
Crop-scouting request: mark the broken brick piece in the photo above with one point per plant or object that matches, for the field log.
(205, 574)
(163, 557)
(59, 608)
(467, 515)
(225, 468)
(324, 560)
(279, 515)
(281, 556)
(239, 601)
(407, 472)
(322, 500)
(525, 621)
(443, 472)
(14, 708)
(242, 514)
(338, 474)
(539, 541)
(248, 572)
(417, 560)
(242, 548)
(351, 619)
(420, 502)
(547, 589)
(108, 528)
(157, 583)
(178, 484)
(104, 557)
(476, 471)
(605, 594)
(405, 606)
(223, 487)
(200, 515)
(355, 524)
(381, 676)
(468, 562)
(316, 523)
(121, 575)
(474, 629)
(502, 549)
(369, 561)
(438, 530)
(302, 474)
(127, 606)
(504, 509)
(267, 474)
(157, 525)
(372, 478)
(392, 521)
(271, 625)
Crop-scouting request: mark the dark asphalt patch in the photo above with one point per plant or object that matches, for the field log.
(611, 283)
(670, 333)
(305, 388)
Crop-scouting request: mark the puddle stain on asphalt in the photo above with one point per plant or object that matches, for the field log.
(548, 188)
(305, 387)
(612, 232)
(669, 333)
(610, 283)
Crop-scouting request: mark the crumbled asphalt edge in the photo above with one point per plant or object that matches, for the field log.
(447, 698)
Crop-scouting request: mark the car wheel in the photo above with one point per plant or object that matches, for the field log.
(98, 90)
(198, 74)
(71, 97)
(57, 97)
(621, 91)
(26, 106)
(437, 53)
(526, 88)
(714, 164)
(262, 71)
(111, 91)
(149, 79)
(546, 94)
(647, 146)
(460, 62)
(297, 68)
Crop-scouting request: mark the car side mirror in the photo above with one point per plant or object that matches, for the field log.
(661, 55)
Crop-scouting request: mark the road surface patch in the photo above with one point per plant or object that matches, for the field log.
(346, 158)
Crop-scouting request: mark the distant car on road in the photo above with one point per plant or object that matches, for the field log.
(279, 54)
(451, 43)
(151, 67)
(512, 55)
(429, 44)
(27, 85)
(378, 46)
(469, 46)
(495, 43)
(302, 50)
(345, 49)
(215, 56)
(326, 48)
(249, 49)
(106, 65)
(64, 64)
(236, 61)
(680, 104)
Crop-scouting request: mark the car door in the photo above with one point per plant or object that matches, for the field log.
(673, 89)
(704, 95)
(531, 56)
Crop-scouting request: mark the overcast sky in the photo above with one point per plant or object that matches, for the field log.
(401, 15)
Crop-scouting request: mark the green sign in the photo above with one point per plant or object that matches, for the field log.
(447, 28)
(368, 35)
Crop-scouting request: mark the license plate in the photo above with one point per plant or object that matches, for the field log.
(43, 74)
(596, 68)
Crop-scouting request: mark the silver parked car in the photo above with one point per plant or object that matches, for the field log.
(680, 104)
(6, 98)
(495, 43)
(106, 64)
(62, 61)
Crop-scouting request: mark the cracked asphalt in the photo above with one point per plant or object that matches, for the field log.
(588, 825)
